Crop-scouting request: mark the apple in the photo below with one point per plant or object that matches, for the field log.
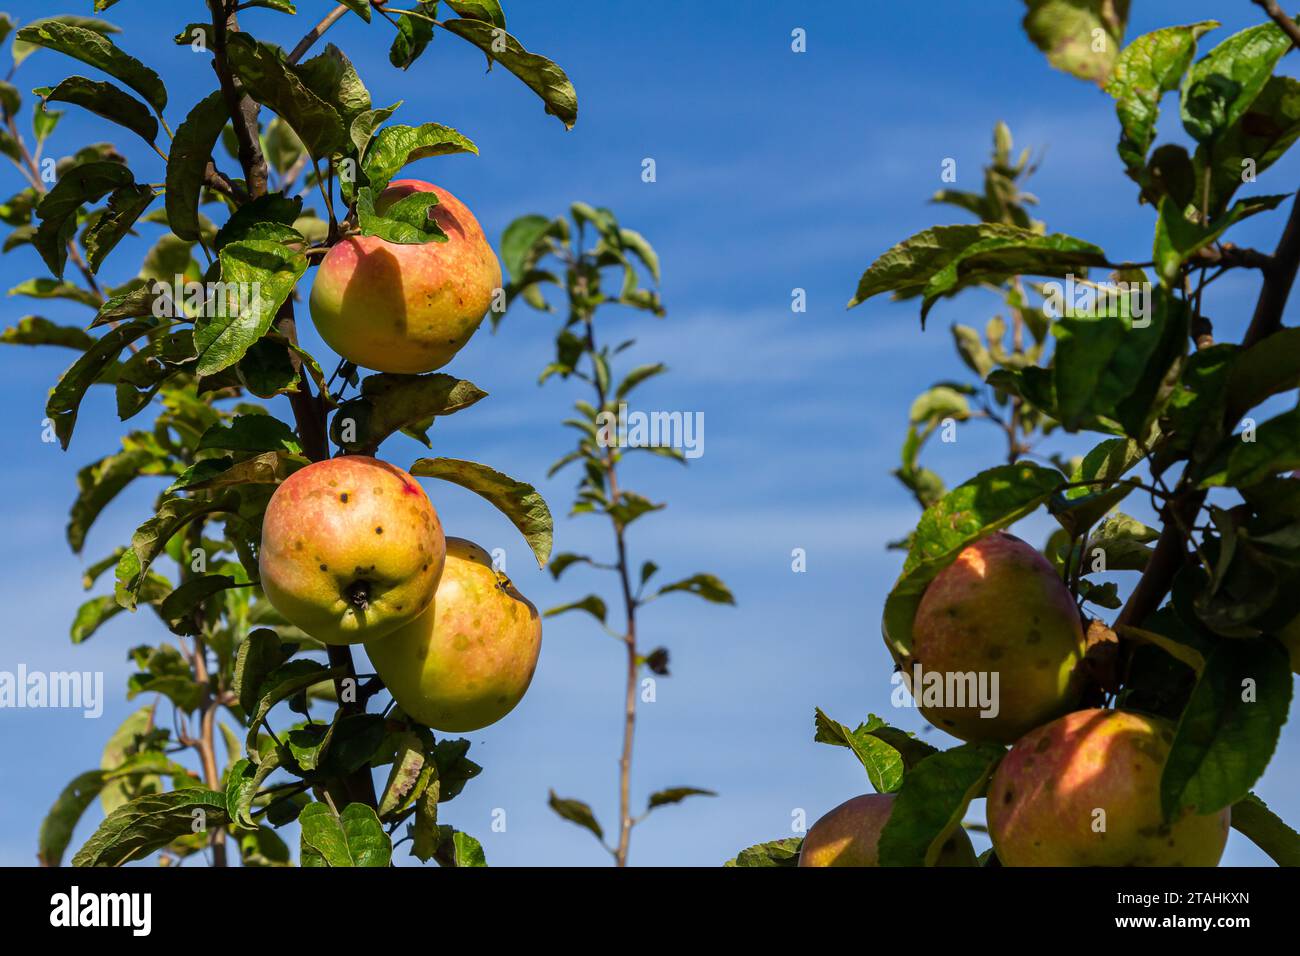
(1085, 791)
(849, 834)
(397, 307)
(468, 659)
(351, 549)
(999, 611)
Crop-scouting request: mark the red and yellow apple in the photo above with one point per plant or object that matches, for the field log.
(998, 611)
(849, 835)
(351, 549)
(467, 661)
(1085, 791)
(396, 307)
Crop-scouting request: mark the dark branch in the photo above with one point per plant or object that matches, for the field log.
(1280, 18)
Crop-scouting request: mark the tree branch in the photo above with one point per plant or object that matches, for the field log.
(316, 32)
(1278, 279)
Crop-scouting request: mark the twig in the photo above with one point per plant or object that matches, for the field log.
(315, 32)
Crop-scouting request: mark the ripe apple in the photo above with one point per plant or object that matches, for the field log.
(1085, 791)
(849, 834)
(351, 549)
(998, 611)
(397, 307)
(468, 659)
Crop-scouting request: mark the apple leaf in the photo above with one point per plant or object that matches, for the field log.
(1257, 140)
(575, 811)
(62, 818)
(106, 100)
(662, 798)
(353, 838)
(332, 77)
(456, 848)
(943, 260)
(125, 205)
(1221, 87)
(592, 604)
(268, 468)
(389, 403)
(126, 741)
(1111, 365)
(411, 774)
(518, 501)
(539, 74)
(259, 654)
(1275, 448)
(705, 586)
(366, 122)
(396, 146)
(1147, 68)
(187, 161)
(775, 853)
(35, 330)
(1067, 31)
(281, 683)
(932, 801)
(95, 49)
(251, 433)
(406, 222)
(177, 609)
(258, 276)
(1264, 828)
(151, 538)
(991, 501)
(45, 288)
(86, 182)
(1178, 238)
(148, 823)
(884, 764)
(271, 80)
(243, 780)
(1230, 727)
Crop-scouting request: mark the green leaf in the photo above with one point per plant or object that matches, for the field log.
(242, 783)
(458, 849)
(1276, 448)
(1067, 31)
(253, 433)
(1220, 88)
(151, 538)
(248, 219)
(178, 608)
(100, 482)
(1149, 67)
(407, 221)
(1256, 141)
(413, 35)
(65, 398)
(95, 49)
(259, 654)
(1266, 830)
(389, 403)
(34, 330)
(946, 259)
(280, 684)
(148, 823)
(1110, 365)
(575, 811)
(106, 100)
(520, 241)
(1123, 541)
(992, 500)
(662, 798)
(269, 79)
(125, 205)
(635, 377)
(258, 276)
(128, 741)
(365, 123)
(353, 838)
(396, 146)
(43, 288)
(360, 7)
(775, 853)
(411, 774)
(560, 563)
(538, 73)
(187, 160)
(1178, 238)
(87, 182)
(932, 801)
(518, 501)
(63, 817)
(705, 586)
(268, 468)
(884, 764)
(592, 604)
(331, 76)
(1230, 727)
(487, 10)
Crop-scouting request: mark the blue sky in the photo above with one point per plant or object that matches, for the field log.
(775, 171)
